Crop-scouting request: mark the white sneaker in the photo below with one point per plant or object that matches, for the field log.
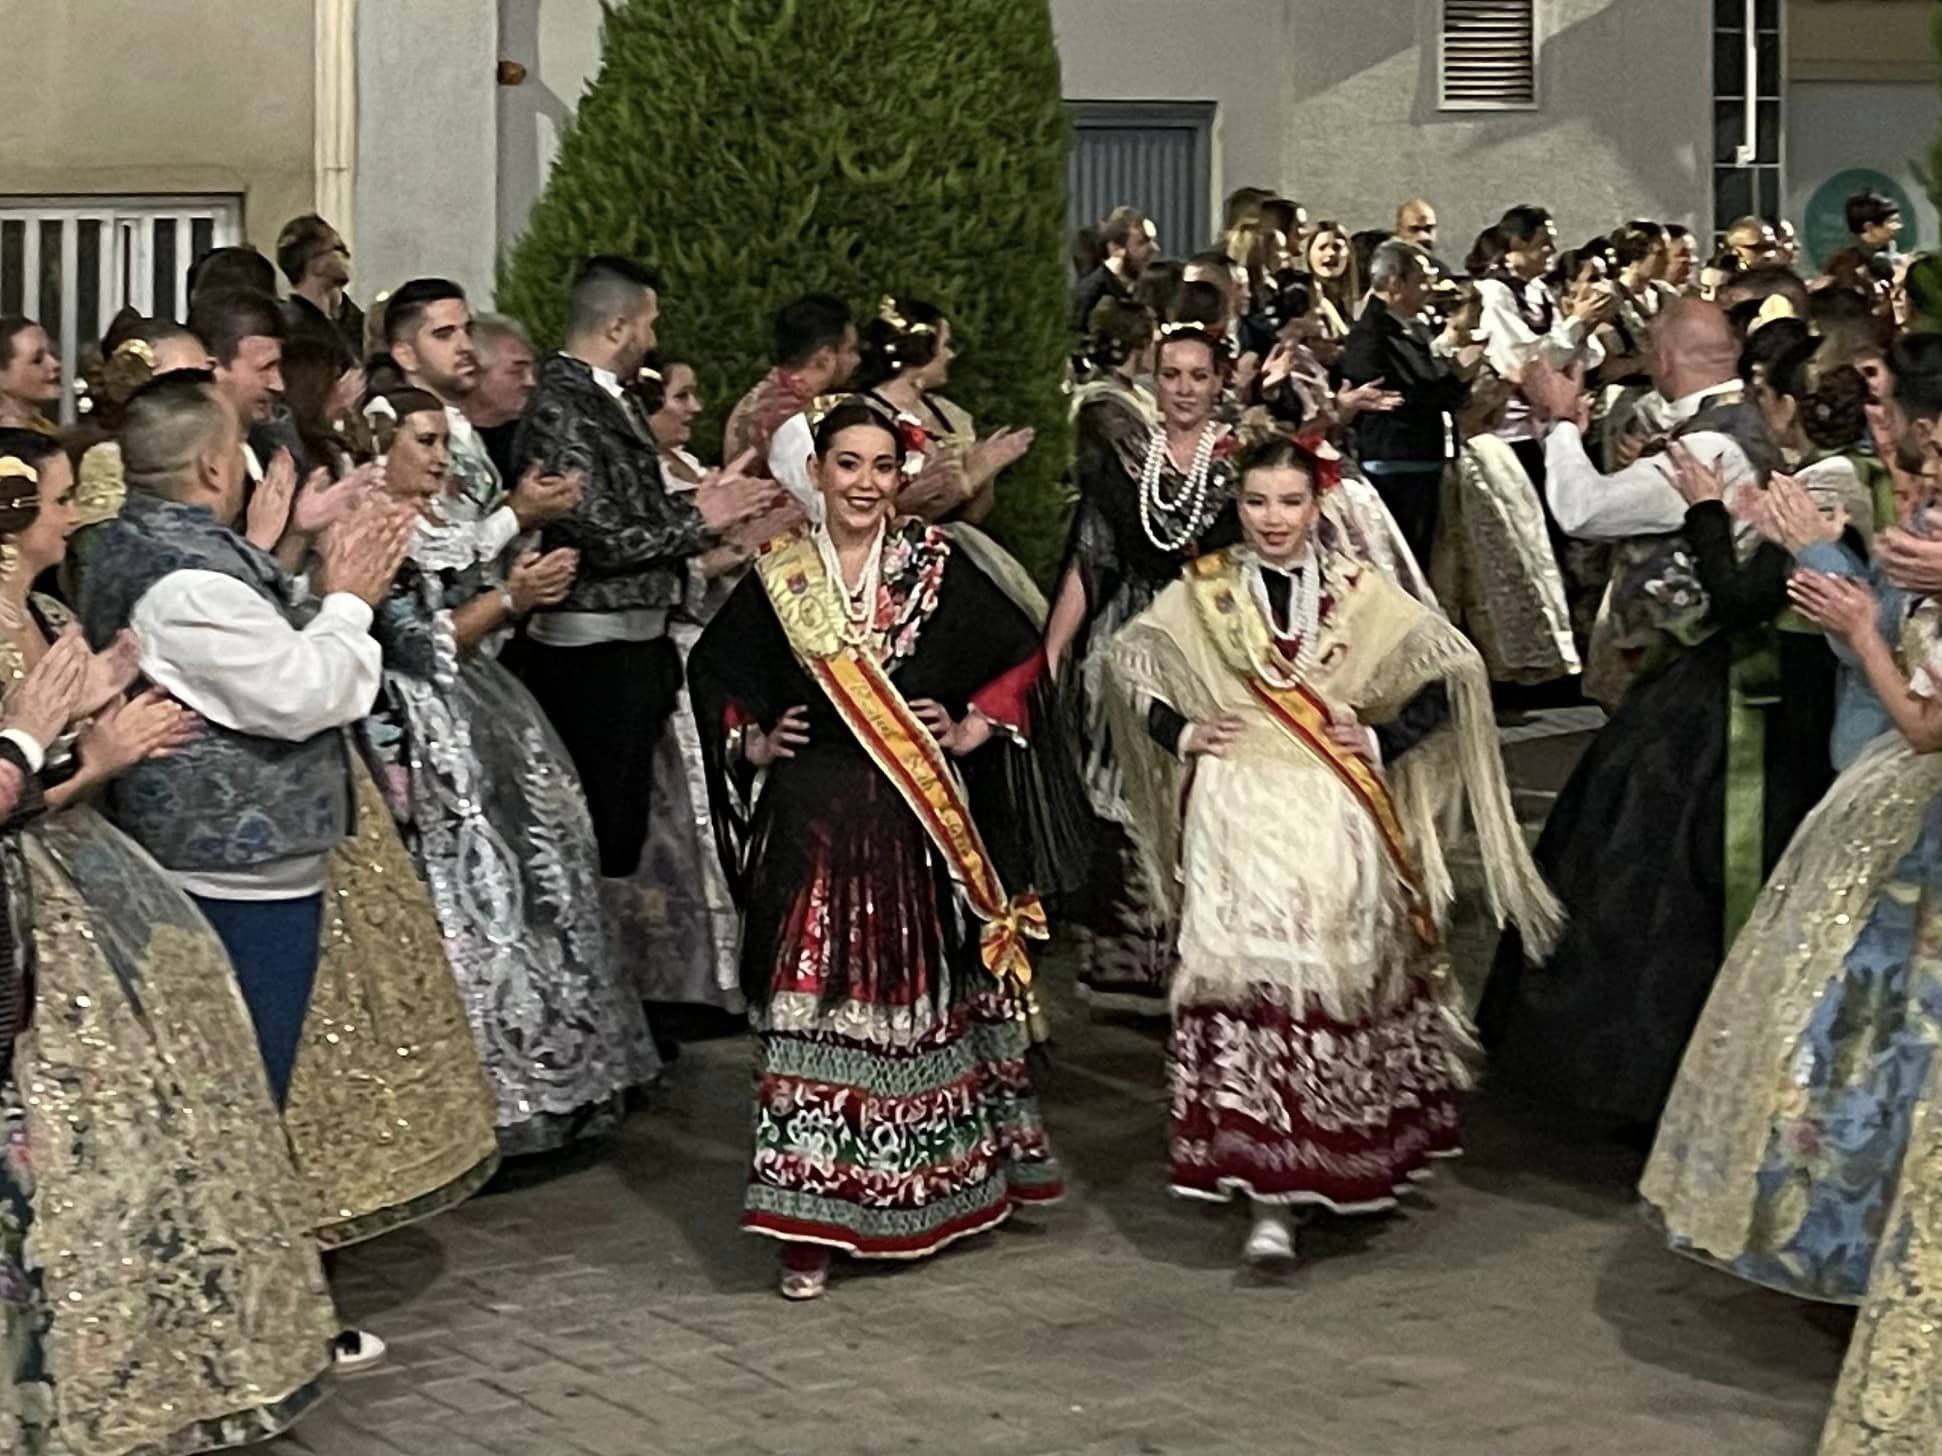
(355, 1351)
(1271, 1240)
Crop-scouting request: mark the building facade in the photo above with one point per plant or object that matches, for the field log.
(425, 128)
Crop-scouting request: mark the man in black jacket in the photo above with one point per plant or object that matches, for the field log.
(1404, 451)
(601, 663)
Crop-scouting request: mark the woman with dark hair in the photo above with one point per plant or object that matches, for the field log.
(674, 919)
(838, 694)
(1153, 494)
(906, 362)
(322, 391)
(490, 807)
(1316, 1031)
(159, 1289)
(30, 375)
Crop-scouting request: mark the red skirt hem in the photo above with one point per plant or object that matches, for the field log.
(914, 1246)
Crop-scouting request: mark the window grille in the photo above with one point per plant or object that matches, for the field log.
(1487, 56)
(72, 263)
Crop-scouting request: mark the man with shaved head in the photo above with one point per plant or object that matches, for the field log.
(1695, 360)
(1659, 842)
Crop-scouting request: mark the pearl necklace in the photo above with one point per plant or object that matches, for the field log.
(1193, 493)
(1304, 620)
(860, 605)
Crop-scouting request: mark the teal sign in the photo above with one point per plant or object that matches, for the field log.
(1824, 230)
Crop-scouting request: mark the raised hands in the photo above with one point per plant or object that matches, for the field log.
(124, 734)
(45, 701)
(1792, 521)
(1840, 605)
(539, 497)
(268, 515)
(1694, 480)
(541, 581)
(727, 497)
(362, 554)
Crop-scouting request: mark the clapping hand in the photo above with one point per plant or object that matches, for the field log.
(1911, 562)
(727, 497)
(323, 502)
(1367, 399)
(1839, 604)
(111, 672)
(1792, 520)
(268, 516)
(362, 554)
(540, 497)
(541, 581)
(1554, 394)
(999, 452)
(125, 734)
(48, 698)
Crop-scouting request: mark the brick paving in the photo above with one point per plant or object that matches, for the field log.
(1518, 1307)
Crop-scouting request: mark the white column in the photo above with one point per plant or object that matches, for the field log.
(336, 115)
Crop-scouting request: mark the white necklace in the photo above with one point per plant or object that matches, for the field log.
(860, 604)
(1192, 496)
(1304, 619)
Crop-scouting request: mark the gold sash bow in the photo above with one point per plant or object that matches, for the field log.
(901, 747)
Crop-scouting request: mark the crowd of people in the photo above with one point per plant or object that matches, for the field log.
(407, 736)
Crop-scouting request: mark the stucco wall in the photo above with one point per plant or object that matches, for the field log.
(558, 42)
(427, 143)
(1233, 52)
(1625, 111)
(205, 96)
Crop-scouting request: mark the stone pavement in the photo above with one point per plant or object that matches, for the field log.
(1518, 1307)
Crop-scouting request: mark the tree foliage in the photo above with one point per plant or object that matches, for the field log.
(755, 150)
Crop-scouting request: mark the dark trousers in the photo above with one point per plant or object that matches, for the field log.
(609, 703)
(274, 946)
(1414, 494)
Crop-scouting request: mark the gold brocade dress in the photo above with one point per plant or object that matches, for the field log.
(389, 1115)
(159, 1287)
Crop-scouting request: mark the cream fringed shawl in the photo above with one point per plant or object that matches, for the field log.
(1379, 648)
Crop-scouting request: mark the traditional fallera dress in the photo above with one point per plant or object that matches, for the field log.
(1668, 826)
(159, 1287)
(675, 918)
(882, 953)
(487, 800)
(1783, 1143)
(1130, 538)
(1317, 1044)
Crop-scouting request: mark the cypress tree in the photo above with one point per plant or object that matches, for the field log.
(755, 150)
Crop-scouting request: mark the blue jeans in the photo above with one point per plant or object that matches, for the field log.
(274, 946)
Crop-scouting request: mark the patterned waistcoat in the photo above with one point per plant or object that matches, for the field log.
(228, 801)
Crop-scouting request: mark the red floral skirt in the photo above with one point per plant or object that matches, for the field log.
(1295, 1109)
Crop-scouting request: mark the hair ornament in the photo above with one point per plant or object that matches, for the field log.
(1777, 306)
(892, 315)
(649, 374)
(379, 407)
(12, 467)
(100, 488)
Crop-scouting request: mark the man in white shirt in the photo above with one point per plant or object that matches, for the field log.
(1695, 365)
(246, 816)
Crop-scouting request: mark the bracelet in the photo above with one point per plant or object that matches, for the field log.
(507, 603)
(738, 743)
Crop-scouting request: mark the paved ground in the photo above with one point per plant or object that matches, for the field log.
(1518, 1308)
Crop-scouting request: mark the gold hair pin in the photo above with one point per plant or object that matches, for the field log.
(12, 467)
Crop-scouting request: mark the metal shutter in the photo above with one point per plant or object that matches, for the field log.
(1156, 156)
(1488, 55)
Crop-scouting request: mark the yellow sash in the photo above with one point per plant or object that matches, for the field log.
(901, 747)
(1241, 636)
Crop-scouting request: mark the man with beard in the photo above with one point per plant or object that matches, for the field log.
(1129, 241)
(602, 663)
